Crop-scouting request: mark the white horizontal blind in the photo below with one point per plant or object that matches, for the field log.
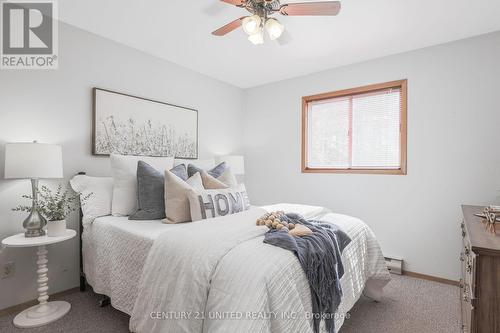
(329, 133)
(360, 131)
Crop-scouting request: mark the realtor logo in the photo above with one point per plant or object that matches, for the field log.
(29, 34)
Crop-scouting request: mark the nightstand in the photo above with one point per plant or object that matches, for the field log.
(45, 312)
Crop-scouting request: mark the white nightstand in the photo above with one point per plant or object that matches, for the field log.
(45, 312)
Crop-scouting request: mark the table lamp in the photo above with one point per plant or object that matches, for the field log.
(33, 161)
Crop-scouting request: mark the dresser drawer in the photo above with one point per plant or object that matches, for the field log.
(468, 263)
(465, 235)
(467, 282)
(480, 275)
(468, 271)
(467, 310)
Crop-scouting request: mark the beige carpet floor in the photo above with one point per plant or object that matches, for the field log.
(410, 306)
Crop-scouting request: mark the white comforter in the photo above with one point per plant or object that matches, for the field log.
(218, 276)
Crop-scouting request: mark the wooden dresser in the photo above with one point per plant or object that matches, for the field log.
(480, 281)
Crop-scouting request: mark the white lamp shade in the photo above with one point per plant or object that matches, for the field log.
(251, 24)
(274, 28)
(33, 160)
(235, 162)
(257, 38)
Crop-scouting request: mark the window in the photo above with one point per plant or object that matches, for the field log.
(360, 130)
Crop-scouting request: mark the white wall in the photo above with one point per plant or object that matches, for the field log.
(55, 107)
(453, 149)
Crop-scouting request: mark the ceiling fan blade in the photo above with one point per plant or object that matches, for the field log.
(228, 27)
(311, 8)
(285, 38)
(234, 2)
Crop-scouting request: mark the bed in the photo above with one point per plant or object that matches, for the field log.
(261, 286)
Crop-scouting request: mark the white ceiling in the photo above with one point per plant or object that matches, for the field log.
(179, 31)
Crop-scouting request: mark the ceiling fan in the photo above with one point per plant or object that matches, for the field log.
(261, 19)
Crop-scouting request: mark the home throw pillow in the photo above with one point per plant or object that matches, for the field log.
(124, 172)
(213, 203)
(176, 196)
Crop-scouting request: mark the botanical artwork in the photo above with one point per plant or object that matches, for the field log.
(130, 125)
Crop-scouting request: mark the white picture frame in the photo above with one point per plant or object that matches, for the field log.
(131, 125)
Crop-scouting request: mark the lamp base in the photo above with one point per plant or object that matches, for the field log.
(35, 221)
(34, 233)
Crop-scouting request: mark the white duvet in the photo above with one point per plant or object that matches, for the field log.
(218, 276)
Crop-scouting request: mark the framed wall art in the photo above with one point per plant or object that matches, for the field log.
(131, 125)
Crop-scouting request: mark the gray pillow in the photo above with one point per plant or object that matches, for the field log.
(180, 171)
(214, 172)
(150, 193)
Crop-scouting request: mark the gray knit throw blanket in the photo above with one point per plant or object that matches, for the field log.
(319, 255)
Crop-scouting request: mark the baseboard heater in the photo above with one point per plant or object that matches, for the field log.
(394, 264)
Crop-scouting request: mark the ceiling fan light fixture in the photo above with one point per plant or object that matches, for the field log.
(261, 12)
(251, 24)
(274, 28)
(257, 38)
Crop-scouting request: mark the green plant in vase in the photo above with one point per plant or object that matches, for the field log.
(55, 207)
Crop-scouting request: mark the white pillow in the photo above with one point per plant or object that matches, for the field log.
(213, 203)
(205, 164)
(124, 171)
(99, 203)
(176, 196)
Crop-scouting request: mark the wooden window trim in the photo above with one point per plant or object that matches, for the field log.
(401, 84)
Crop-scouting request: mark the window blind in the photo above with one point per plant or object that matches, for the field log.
(360, 131)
